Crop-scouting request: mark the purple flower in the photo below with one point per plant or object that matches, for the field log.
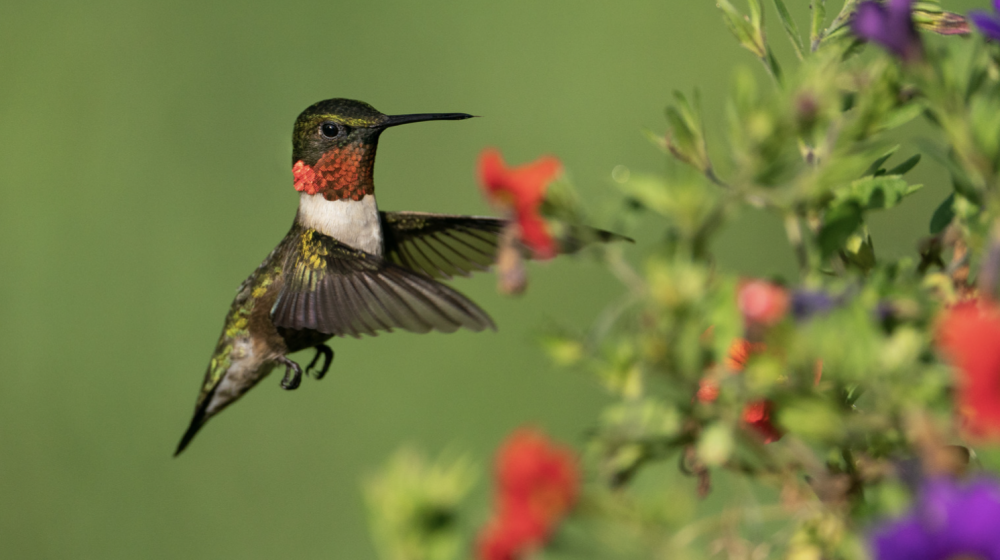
(988, 23)
(949, 520)
(890, 25)
(806, 303)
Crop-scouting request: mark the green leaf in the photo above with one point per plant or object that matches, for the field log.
(874, 168)
(686, 140)
(959, 179)
(686, 203)
(657, 140)
(976, 81)
(773, 66)
(818, 8)
(859, 251)
(650, 191)
(902, 115)
(877, 192)
(681, 139)
(756, 14)
(944, 214)
(812, 418)
(839, 224)
(691, 112)
(984, 116)
(745, 33)
(790, 28)
(904, 167)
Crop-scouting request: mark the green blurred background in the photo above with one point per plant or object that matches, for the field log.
(144, 173)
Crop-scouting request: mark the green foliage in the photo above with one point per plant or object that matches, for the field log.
(809, 391)
(790, 28)
(414, 506)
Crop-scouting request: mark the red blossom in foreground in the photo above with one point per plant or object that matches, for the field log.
(521, 190)
(761, 302)
(969, 334)
(756, 414)
(536, 484)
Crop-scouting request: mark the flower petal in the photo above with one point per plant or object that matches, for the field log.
(903, 540)
(969, 334)
(988, 24)
(869, 21)
(521, 189)
(900, 6)
(492, 169)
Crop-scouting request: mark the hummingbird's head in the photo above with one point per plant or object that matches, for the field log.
(333, 146)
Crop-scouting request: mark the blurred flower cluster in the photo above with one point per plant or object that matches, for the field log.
(848, 408)
(536, 484)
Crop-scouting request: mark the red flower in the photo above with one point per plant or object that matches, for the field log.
(740, 351)
(969, 333)
(761, 302)
(708, 390)
(521, 189)
(536, 484)
(509, 537)
(757, 415)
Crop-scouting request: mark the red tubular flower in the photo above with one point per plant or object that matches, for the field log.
(762, 303)
(536, 484)
(521, 190)
(736, 359)
(757, 416)
(708, 390)
(969, 334)
(740, 351)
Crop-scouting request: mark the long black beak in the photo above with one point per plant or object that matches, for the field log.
(395, 120)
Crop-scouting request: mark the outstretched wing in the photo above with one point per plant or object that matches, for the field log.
(336, 289)
(443, 245)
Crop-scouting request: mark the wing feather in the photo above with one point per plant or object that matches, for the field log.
(442, 246)
(335, 289)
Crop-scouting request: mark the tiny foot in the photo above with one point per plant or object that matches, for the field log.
(293, 374)
(327, 353)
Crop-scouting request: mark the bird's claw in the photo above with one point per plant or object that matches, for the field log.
(293, 374)
(327, 353)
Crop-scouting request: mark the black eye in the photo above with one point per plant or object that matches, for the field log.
(329, 129)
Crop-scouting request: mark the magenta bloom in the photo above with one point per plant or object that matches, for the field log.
(950, 520)
(988, 23)
(889, 25)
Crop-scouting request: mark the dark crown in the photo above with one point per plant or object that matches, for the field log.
(347, 111)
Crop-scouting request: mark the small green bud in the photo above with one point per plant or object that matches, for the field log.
(715, 445)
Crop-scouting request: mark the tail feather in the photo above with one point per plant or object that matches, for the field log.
(226, 381)
(199, 420)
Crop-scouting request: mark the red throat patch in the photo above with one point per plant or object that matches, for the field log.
(305, 178)
(342, 173)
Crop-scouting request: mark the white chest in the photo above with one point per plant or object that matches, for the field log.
(352, 222)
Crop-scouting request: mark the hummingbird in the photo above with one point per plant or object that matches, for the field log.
(345, 268)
